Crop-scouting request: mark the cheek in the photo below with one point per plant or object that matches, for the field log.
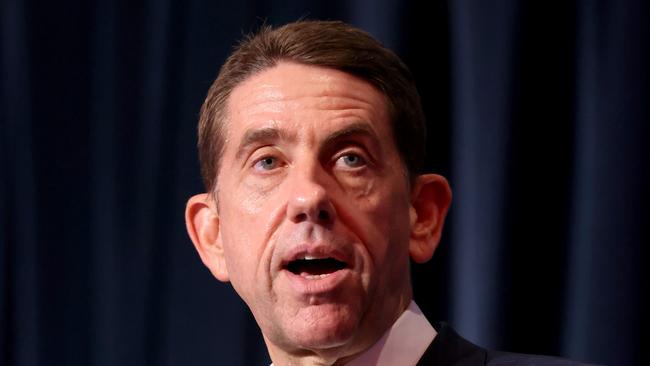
(238, 262)
(240, 252)
(246, 222)
(247, 194)
(357, 185)
(244, 269)
(386, 225)
(254, 195)
(245, 218)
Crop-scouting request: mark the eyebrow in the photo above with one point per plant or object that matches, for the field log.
(252, 137)
(269, 134)
(354, 129)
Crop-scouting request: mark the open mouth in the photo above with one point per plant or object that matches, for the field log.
(315, 268)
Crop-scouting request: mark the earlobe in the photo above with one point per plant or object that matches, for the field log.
(202, 223)
(430, 200)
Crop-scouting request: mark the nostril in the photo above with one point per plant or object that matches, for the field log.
(323, 215)
(301, 217)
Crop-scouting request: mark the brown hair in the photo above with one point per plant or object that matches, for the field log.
(330, 44)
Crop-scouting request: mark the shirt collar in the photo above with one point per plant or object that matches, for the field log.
(403, 344)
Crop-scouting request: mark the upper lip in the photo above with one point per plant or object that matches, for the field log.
(316, 251)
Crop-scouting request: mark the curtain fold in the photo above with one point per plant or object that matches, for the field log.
(19, 241)
(607, 277)
(482, 56)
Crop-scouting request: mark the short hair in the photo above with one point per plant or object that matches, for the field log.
(331, 44)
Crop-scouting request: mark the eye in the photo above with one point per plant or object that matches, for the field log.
(266, 163)
(350, 160)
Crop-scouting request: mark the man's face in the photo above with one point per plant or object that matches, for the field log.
(313, 208)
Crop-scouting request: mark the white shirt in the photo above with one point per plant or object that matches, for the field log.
(403, 344)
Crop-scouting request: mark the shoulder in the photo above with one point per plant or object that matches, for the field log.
(449, 348)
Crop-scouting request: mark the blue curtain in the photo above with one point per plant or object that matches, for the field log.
(538, 114)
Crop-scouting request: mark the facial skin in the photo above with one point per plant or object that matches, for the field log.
(310, 170)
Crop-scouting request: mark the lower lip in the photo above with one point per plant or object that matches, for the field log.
(316, 285)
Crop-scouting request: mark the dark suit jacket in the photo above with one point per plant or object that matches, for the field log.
(450, 349)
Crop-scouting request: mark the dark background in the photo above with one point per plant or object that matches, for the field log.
(538, 114)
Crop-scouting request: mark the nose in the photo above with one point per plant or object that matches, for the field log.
(309, 200)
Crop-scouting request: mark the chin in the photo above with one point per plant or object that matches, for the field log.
(322, 327)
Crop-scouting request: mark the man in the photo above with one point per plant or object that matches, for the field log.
(311, 143)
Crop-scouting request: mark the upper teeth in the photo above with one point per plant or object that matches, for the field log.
(309, 257)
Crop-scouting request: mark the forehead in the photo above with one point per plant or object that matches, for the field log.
(290, 89)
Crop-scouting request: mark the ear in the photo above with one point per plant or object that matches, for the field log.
(430, 200)
(202, 222)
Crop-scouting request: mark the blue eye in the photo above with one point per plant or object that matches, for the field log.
(351, 160)
(267, 163)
